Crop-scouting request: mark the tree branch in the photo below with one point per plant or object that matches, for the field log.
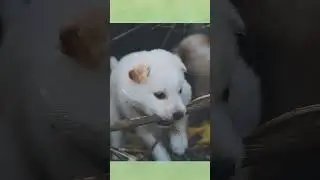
(195, 105)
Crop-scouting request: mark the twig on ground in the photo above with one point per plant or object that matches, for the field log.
(122, 154)
(167, 36)
(126, 33)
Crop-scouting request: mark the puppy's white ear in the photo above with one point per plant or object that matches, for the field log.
(113, 62)
(183, 67)
(180, 64)
(139, 74)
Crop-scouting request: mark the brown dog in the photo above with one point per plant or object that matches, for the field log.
(194, 50)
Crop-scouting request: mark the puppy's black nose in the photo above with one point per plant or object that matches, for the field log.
(177, 115)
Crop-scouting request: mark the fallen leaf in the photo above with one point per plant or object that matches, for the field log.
(203, 130)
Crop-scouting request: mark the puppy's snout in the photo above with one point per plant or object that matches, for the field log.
(177, 115)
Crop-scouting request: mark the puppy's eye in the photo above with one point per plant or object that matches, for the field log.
(160, 95)
(180, 90)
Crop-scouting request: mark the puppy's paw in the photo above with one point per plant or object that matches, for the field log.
(160, 153)
(179, 142)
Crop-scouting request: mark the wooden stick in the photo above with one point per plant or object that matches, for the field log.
(195, 105)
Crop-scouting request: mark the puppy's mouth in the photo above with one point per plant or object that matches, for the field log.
(162, 123)
(165, 123)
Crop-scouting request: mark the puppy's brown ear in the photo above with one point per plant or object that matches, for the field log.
(139, 74)
(85, 39)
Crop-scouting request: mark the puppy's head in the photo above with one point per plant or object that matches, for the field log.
(194, 51)
(156, 84)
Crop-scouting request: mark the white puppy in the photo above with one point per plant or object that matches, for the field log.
(151, 83)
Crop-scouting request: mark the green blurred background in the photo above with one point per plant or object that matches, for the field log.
(167, 11)
(160, 170)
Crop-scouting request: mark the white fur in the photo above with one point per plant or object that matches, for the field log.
(166, 74)
(179, 140)
(113, 62)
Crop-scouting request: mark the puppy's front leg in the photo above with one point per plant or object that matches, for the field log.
(116, 136)
(116, 141)
(158, 152)
(179, 136)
